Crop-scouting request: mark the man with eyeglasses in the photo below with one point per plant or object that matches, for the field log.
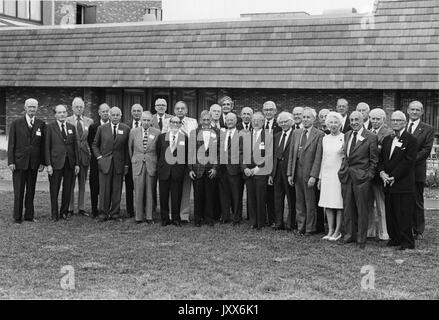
(226, 104)
(158, 119)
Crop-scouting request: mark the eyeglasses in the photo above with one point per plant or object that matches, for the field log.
(160, 105)
(227, 104)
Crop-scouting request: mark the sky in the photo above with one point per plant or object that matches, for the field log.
(220, 9)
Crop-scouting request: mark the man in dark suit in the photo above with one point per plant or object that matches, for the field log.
(25, 158)
(304, 162)
(343, 108)
(279, 178)
(172, 153)
(226, 104)
(231, 184)
(158, 119)
(297, 118)
(215, 113)
(269, 110)
(203, 170)
(356, 173)
(103, 112)
(257, 169)
(246, 117)
(62, 160)
(424, 135)
(398, 175)
(364, 109)
(110, 147)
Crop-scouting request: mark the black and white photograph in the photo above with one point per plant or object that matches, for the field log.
(219, 155)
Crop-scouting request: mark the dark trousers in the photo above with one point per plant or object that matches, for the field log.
(281, 189)
(175, 189)
(94, 186)
(320, 216)
(305, 202)
(418, 216)
(356, 210)
(66, 175)
(129, 192)
(257, 199)
(24, 181)
(399, 218)
(270, 208)
(204, 199)
(231, 188)
(110, 190)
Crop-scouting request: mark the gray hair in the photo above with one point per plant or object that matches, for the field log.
(356, 113)
(146, 113)
(136, 105)
(113, 109)
(416, 102)
(284, 114)
(377, 112)
(160, 100)
(215, 105)
(247, 108)
(343, 100)
(333, 115)
(298, 108)
(363, 104)
(77, 101)
(399, 114)
(313, 112)
(103, 105)
(30, 101)
(267, 103)
(204, 113)
(325, 111)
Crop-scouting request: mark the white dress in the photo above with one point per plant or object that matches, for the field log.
(330, 190)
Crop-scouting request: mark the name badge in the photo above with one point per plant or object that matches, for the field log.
(181, 143)
(213, 135)
(151, 136)
(70, 131)
(360, 138)
(262, 146)
(38, 133)
(119, 131)
(398, 144)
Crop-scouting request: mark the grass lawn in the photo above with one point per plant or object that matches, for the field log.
(122, 260)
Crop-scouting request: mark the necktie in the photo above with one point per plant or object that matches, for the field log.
(397, 134)
(160, 123)
(229, 148)
(246, 126)
(411, 127)
(63, 132)
(79, 126)
(353, 143)
(304, 138)
(282, 141)
(267, 126)
(145, 140)
(297, 126)
(114, 131)
(173, 143)
(136, 123)
(31, 123)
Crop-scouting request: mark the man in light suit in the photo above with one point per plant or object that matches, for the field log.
(377, 213)
(364, 109)
(424, 135)
(62, 160)
(81, 123)
(343, 108)
(279, 176)
(203, 170)
(171, 148)
(158, 119)
(397, 172)
(257, 169)
(110, 147)
(142, 150)
(303, 170)
(188, 127)
(356, 174)
(25, 159)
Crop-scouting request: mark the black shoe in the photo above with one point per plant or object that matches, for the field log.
(176, 223)
(65, 216)
(308, 234)
(350, 240)
(361, 245)
(222, 221)
(150, 221)
(235, 223)
(102, 217)
(69, 214)
(165, 223)
(139, 221)
(210, 224)
(116, 217)
(31, 220)
(17, 221)
(392, 244)
(418, 236)
(198, 224)
(54, 219)
(277, 228)
(84, 213)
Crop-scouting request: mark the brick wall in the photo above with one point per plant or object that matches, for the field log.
(106, 11)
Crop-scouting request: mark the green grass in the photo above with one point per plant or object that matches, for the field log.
(122, 260)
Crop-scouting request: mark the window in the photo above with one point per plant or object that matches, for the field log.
(85, 14)
(23, 9)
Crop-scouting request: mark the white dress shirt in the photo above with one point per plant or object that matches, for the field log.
(29, 119)
(206, 138)
(395, 141)
(230, 133)
(415, 125)
(286, 137)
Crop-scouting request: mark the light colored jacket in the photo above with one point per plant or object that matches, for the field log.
(138, 155)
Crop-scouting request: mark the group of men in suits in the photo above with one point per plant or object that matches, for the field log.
(273, 158)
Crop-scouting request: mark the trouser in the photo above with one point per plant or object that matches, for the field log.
(185, 207)
(129, 192)
(270, 207)
(231, 188)
(82, 177)
(94, 186)
(305, 203)
(24, 181)
(143, 192)
(281, 189)
(66, 175)
(418, 216)
(110, 190)
(399, 210)
(175, 189)
(377, 215)
(320, 213)
(257, 198)
(204, 199)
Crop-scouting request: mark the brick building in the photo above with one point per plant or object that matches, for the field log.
(386, 59)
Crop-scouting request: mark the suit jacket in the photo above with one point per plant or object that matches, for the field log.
(111, 149)
(362, 163)
(139, 155)
(166, 170)
(347, 127)
(381, 134)
(25, 146)
(311, 156)
(235, 150)
(155, 122)
(261, 152)
(402, 163)
(194, 164)
(240, 126)
(275, 127)
(424, 135)
(83, 147)
(57, 149)
(283, 153)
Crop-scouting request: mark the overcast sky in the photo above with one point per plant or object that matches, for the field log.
(217, 9)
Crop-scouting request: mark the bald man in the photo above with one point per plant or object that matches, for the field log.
(25, 158)
(81, 123)
(110, 147)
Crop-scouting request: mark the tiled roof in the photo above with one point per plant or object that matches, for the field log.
(397, 48)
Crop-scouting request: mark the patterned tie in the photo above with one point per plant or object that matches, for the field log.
(145, 140)
(79, 126)
(410, 130)
(136, 123)
(282, 141)
(353, 143)
(173, 143)
(63, 132)
(31, 123)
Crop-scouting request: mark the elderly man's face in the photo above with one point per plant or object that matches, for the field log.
(146, 120)
(246, 115)
(258, 122)
(104, 113)
(180, 110)
(322, 117)
(308, 119)
(269, 111)
(376, 121)
(161, 106)
(356, 121)
(285, 123)
(61, 113)
(78, 108)
(215, 112)
(115, 116)
(298, 115)
(364, 111)
(415, 111)
(342, 108)
(231, 121)
(175, 124)
(397, 122)
(31, 109)
(205, 121)
(226, 106)
(136, 112)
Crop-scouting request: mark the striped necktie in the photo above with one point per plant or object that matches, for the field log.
(145, 139)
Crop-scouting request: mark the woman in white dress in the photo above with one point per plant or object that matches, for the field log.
(330, 187)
